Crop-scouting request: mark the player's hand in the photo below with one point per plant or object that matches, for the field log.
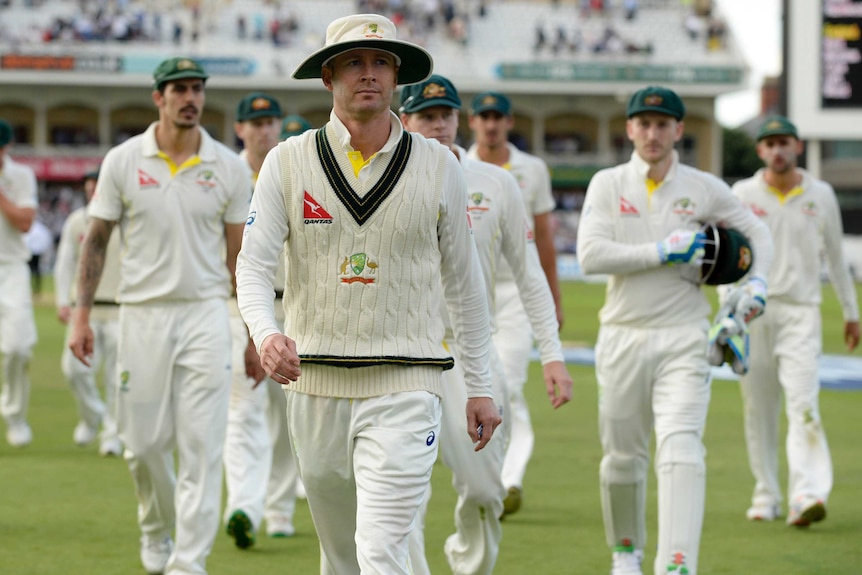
(752, 300)
(279, 359)
(64, 314)
(81, 339)
(253, 369)
(682, 247)
(483, 417)
(558, 383)
(851, 334)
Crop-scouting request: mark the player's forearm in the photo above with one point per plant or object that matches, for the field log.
(548, 257)
(19, 218)
(611, 257)
(92, 262)
(539, 304)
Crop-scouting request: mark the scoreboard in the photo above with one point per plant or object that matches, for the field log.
(824, 68)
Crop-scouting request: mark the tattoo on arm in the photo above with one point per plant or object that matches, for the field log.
(92, 260)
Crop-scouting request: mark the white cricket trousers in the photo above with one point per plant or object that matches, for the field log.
(785, 348)
(366, 464)
(82, 379)
(654, 378)
(17, 338)
(476, 476)
(260, 473)
(514, 342)
(175, 371)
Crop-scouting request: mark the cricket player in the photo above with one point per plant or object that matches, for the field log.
(640, 225)
(104, 318)
(491, 120)
(374, 226)
(501, 233)
(803, 216)
(178, 196)
(259, 470)
(18, 203)
(293, 125)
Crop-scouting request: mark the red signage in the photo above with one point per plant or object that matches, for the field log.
(60, 169)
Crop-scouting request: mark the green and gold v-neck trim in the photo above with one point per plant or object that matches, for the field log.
(362, 208)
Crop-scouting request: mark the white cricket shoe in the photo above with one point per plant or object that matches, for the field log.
(111, 447)
(19, 434)
(84, 434)
(763, 512)
(806, 510)
(155, 552)
(280, 526)
(627, 562)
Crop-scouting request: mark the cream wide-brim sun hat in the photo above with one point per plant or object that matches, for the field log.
(370, 31)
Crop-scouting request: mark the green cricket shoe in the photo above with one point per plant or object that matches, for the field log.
(240, 528)
(512, 502)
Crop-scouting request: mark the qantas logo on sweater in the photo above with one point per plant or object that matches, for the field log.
(627, 209)
(313, 212)
(145, 180)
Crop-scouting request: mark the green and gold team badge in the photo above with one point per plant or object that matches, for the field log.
(809, 209)
(358, 268)
(206, 180)
(372, 31)
(684, 206)
(478, 203)
(124, 380)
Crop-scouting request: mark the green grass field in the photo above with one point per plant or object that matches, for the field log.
(65, 510)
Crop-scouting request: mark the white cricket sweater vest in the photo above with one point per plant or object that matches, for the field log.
(363, 282)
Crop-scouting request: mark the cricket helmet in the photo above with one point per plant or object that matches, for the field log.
(728, 255)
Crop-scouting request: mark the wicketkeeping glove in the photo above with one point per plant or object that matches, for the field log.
(728, 342)
(682, 247)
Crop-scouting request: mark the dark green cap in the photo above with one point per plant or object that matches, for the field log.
(92, 174)
(491, 102)
(435, 91)
(294, 126)
(177, 69)
(257, 105)
(5, 133)
(777, 126)
(727, 256)
(656, 99)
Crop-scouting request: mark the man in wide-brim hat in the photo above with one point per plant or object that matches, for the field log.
(373, 225)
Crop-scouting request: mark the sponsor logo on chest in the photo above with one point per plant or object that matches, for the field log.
(627, 209)
(313, 212)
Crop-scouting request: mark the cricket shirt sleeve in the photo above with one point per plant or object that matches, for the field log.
(463, 286)
(265, 232)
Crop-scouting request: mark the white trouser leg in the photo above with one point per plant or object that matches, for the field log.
(416, 539)
(680, 401)
(366, 472)
(625, 425)
(798, 348)
(174, 387)
(476, 476)
(514, 342)
(17, 337)
(247, 450)
(281, 486)
(82, 381)
(106, 333)
(761, 398)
